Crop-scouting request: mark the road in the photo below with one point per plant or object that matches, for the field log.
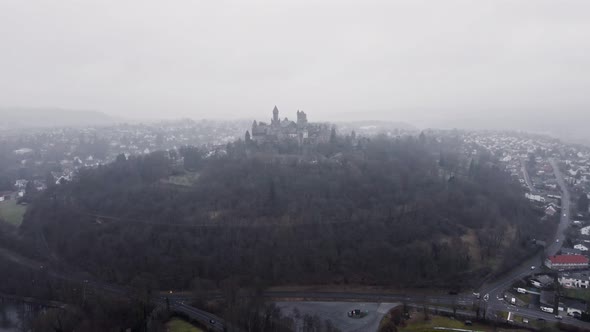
(496, 288)
(525, 174)
(564, 221)
(207, 319)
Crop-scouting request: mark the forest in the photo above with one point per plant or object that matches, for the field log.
(407, 211)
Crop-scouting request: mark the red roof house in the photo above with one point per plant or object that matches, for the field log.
(567, 262)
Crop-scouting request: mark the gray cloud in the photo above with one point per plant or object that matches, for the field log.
(450, 63)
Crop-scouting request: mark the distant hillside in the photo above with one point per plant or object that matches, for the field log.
(50, 117)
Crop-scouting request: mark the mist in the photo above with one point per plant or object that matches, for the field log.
(477, 64)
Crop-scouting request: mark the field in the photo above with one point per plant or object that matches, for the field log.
(12, 212)
(577, 293)
(418, 324)
(179, 325)
(186, 180)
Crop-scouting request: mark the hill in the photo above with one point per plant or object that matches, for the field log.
(407, 211)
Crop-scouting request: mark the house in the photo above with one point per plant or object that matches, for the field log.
(535, 198)
(570, 251)
(550, 211)
(574, 307)
(21, 183)
(574, 280)
(5, 196)
(581, 247)
(567, 262)
(542, 281)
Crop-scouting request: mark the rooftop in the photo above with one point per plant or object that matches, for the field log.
(568, 259)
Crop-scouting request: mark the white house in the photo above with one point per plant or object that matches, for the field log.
(573, 306)
(535, 198)
(581, 247)
(574, 280)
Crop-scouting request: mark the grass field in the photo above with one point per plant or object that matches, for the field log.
(188, 179)
(179, 325)
(12, 212)
(418, 324)
(577, 293)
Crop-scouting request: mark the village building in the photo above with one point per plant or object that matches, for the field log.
(567, 262)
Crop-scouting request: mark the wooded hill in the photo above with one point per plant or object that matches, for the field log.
(405, 211)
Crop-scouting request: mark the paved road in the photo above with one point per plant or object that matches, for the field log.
(208, 320)
(496, 289)
(564, 222)
(527, 178)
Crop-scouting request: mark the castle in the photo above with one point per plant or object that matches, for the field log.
(279, 130)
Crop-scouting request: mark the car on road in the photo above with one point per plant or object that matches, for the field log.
(212, 321)
(532, 267)
(556, 240)
(560, 317)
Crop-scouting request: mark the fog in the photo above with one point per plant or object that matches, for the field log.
(516, 64)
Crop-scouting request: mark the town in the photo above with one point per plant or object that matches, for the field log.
(552, 174)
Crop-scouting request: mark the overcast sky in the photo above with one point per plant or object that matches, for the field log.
(427, 62)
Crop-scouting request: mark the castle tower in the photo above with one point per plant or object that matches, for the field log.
(301, 119)
(275, 116)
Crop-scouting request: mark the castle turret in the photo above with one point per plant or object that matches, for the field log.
(301, 119)
(275, 116)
